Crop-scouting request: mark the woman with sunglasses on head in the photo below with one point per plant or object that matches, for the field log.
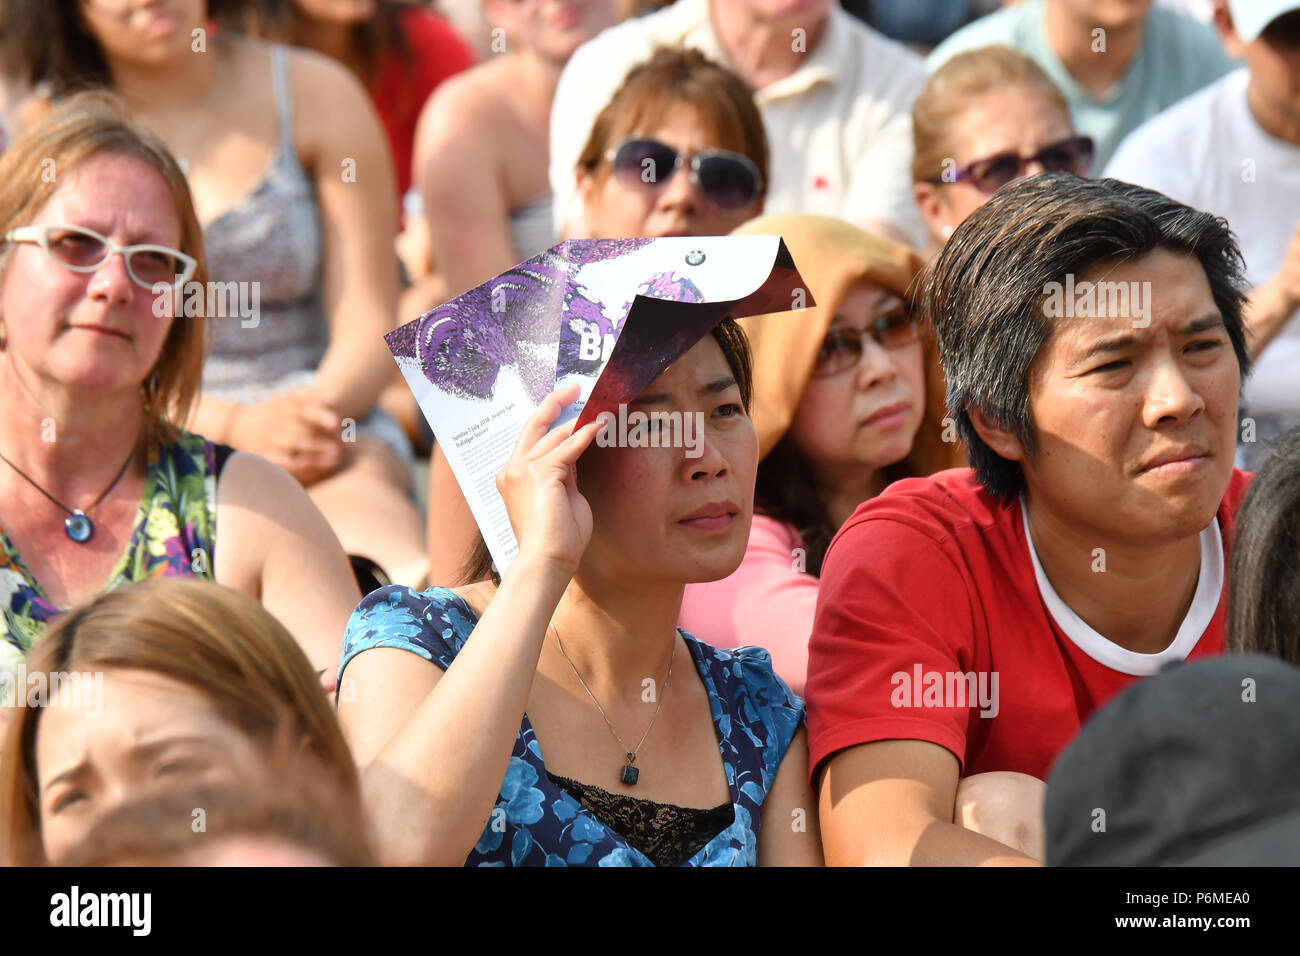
(293, 183)
(679, 150)
(98, 485)
(839, 390)
(984, 119)
(563, 718)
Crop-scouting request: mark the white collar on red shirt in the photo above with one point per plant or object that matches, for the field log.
(1205, 602)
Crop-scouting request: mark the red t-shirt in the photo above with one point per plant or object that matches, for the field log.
(929, 594)
(437, 52)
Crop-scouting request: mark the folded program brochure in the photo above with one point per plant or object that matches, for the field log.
(610, 314)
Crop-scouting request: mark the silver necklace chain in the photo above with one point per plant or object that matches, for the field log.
(631, 754)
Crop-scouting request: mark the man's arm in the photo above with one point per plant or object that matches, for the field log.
(891, 803)
(1272, 304)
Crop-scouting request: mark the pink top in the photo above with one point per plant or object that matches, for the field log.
(768, 601)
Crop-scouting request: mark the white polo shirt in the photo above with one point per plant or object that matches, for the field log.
(839, 128)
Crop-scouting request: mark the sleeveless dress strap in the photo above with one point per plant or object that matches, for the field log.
(283, 97)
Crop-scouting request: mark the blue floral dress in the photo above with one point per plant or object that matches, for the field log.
(537, 823)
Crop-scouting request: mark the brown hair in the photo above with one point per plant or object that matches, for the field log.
(160, 830)
(215, 640)
(82, 127)
(372, 40)
(952, 87)
(1264, 581)
(670, 79)
(49, 43)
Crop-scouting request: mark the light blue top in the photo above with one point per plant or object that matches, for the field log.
(1178, 56)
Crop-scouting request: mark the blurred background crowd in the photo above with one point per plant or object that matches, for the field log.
(358, 162)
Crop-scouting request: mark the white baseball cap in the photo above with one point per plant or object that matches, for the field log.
(1250, 17)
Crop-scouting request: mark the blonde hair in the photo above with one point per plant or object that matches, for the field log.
(214, 640)
(79, 128)
(950, 90)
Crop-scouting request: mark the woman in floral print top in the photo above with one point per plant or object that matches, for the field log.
(561, 718)
(93, 373)
(172, 536)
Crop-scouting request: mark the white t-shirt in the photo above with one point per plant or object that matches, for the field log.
(839, 128)
(1208, 152)
(1198, 619)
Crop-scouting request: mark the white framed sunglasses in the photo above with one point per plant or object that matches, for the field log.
(84, 250)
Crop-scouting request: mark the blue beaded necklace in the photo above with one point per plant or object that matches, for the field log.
(77, 525)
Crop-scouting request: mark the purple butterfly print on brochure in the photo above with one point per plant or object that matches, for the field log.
(586, 319)
(515, 321)
(668, 285)
(582, 251)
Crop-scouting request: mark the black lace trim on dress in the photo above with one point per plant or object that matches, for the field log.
(668, 835)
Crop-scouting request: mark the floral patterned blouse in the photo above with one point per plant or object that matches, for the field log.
(535, 821)
(173, 536)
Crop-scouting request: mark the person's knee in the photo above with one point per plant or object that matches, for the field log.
(1004, 806)
(369, 466)
(377, 460)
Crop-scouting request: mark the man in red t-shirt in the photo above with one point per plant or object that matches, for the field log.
(967, 624)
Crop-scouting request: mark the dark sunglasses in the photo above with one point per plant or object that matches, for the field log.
(728, 180)
(842, 348)
(1072, 155)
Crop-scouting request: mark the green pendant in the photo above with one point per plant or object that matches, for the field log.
(630, 773)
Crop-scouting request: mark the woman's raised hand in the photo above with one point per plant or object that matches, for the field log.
(539, 484)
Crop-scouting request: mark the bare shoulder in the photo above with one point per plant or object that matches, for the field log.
(253, 495)
(250, 58)
(330, 105)
(483, 87)
(246, 475)
(478, 595)
(316, 77)
(266, 522)
(470, 102)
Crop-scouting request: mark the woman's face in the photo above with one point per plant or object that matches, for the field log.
(148, 33)
(91, 331)
(616, 209)
(552, 29)
(681, 511)
(1005, 121)
(138, 733)
(866, 416)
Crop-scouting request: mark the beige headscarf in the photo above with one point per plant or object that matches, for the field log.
(831, 255)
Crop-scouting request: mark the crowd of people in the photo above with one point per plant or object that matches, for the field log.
(1000, 532)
